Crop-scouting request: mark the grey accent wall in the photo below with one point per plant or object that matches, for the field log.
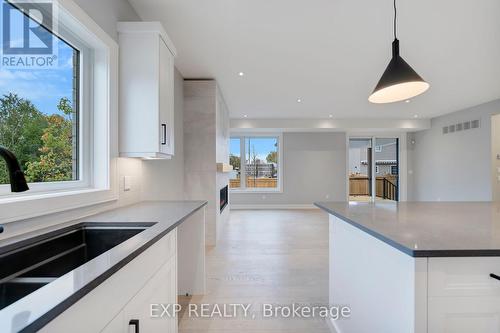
(314, 169)
(164, 179)
(455, 166)
(108, 12)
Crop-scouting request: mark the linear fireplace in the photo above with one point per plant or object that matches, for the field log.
(224, 197)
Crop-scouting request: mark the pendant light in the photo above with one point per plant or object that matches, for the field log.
(399, 81)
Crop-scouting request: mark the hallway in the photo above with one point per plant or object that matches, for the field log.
(266, 256)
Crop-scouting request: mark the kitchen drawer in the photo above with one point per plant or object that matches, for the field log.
(463, 276)
(464, 314)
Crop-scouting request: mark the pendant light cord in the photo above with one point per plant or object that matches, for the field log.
(395, 19)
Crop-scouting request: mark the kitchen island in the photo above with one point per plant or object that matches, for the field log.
(415, 267)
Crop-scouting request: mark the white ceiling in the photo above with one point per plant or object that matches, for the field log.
(331, 53)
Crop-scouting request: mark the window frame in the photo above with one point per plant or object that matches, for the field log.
(84, 116)
(98, 144)
(243, 188)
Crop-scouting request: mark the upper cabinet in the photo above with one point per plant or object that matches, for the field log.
(146, 90)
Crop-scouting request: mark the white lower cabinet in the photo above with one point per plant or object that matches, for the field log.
(127, 295)
(136, 316)
(462, 295)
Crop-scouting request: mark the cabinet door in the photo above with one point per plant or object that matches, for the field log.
(464, 314)
(161, 289)
(166, 99)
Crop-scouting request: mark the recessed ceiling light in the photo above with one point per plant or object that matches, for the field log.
(407, 101)
(241, 74)
(245, 116)
(299, 100)
(330, 116)
(415, 116)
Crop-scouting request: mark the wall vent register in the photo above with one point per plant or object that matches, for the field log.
(461, 126)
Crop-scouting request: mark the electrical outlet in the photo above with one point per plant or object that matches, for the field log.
(127, 183)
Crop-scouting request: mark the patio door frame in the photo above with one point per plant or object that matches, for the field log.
(402, 158)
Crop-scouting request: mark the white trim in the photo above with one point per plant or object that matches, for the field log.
(104, 119)
(272, 206)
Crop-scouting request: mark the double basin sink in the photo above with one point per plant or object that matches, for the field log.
(30, 264)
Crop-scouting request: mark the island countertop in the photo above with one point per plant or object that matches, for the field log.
(427, 229)
(36, 309)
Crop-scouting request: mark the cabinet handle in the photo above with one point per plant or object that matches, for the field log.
(494, 276)
(135, 323)
(164, 134)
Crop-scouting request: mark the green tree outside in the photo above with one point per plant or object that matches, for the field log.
(42, 143)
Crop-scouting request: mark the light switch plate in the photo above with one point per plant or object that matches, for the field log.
(127, 183)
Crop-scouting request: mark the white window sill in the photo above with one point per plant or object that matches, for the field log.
(18, 207)
(26, 196)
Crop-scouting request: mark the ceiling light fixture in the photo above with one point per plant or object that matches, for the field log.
(299, 100)
(244, 116)
(399, 81)
(330, 116)
(241, 74)
(407, 101)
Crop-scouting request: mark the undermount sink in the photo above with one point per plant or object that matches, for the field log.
(30, 264)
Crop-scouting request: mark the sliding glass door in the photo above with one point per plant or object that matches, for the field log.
(373, 169)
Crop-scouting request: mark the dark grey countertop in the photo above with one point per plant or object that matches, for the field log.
(39, 307)
(427, 229)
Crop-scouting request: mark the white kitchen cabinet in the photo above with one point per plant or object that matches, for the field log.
(462, 295)
(136, 316)
(146, 90)
(151, 277)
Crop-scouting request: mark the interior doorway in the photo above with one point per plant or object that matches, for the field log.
(373, 169)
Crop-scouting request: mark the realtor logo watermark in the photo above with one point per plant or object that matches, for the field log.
(28, 29)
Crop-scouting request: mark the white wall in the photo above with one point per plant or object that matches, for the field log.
(455, 166)
(164, 179)
(314, 169)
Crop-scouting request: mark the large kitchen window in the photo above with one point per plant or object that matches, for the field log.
(256, 162)
(40, 98)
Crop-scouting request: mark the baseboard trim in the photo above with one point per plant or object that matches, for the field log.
(278, 206)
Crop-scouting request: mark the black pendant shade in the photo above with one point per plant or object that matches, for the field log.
(399, 81)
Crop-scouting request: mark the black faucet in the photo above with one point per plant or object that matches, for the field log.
(17, 179)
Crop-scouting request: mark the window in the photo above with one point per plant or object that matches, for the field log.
(94, 105)
(40, 99)
(256, 163)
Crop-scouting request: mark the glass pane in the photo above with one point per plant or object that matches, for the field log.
(38, 105)
(235, 161)
(261, 162)
(386, 171)
(360, 174)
